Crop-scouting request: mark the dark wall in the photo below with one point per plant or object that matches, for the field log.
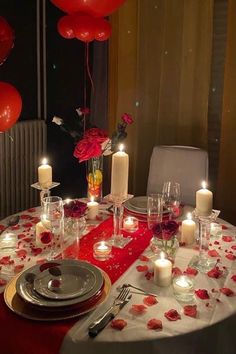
(64, 84)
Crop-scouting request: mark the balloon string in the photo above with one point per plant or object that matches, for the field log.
(85, 87)
(87, 66)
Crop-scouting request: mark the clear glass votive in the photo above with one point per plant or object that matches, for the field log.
(183, 288)
(102, 250)
(216, 230)
(8, 240)
(130, 223)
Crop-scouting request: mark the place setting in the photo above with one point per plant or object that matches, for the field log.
(57, 290)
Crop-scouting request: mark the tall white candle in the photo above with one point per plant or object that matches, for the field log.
(162, 271)
(45, 174)
(120, 174)
(92, 209)
(188, 230)
(204, 200)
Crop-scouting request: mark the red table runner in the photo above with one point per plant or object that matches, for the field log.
(21, 336)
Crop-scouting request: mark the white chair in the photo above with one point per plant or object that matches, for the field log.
(184, 164)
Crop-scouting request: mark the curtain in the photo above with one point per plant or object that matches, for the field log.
(159, 71)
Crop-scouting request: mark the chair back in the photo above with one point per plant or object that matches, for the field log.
(186, 165)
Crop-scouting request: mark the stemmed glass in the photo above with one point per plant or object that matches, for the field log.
(171, 196)
(52, 217)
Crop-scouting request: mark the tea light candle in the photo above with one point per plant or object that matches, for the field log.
(183, 288)
(92, 209)
(41, 227)
(8, 240)
(188, 230)
(102, 250)
(204, 200)
(120, 174)
(45, 175)
(162, 271)
(130, 224)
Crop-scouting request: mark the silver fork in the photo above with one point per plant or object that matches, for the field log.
(103, 320)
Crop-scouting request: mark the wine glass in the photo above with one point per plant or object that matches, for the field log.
(52, 217)
(171, 196)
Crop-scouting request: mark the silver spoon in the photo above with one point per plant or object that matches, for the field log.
(12, 221)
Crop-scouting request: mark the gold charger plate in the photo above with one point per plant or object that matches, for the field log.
(16, 304)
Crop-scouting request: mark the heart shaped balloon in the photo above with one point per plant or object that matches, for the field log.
(6, 39)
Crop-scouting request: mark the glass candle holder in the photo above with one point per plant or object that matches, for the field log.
(130, 223)
(183, 288)
(102, 250)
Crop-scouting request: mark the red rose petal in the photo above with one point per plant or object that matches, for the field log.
(202, 294)
(20, 236)
(154, 324)
(3, 282)
(227, 238)
(215, 273)
(224, 227)
(2, 227)
(36, 250)
(216, 242)
(227, 291)
(21, 253)
(143, 258)
(138, 309)
(6, 260)
(176, 271)
(233, 247)
(213, 253)
(233, 277)
(190, 310)
(191, 271)
(25, 217)
(149, 275)
(15, 227)
(18, 268)
(46, 237)
(172, 315)
(142, 268)
(31, 210)
(118, 324)
(35, 219)
(230, 256)
(150, 300)
(27, 225)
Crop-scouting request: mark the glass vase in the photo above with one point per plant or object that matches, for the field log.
(95, 178)
(169, 247)
(73, 229)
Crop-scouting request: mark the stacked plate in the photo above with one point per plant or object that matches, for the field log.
(137, 207)
(57, 290)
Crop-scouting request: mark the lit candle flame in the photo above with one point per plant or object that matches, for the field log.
(189, 216)
(204, 185)
(121, 147)
(68, 200)
(44, 161)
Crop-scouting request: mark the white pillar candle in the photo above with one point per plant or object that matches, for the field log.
(162, 271)
(92, 209)
(39, 228)
(204, 200)
(45, 175)
(188, 230)
(120, 174)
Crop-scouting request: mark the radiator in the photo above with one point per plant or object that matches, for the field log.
(21, 149)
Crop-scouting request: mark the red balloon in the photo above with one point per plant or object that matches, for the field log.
(65, 27)
(10, 105)
(102, 29)
(6, 39)
(84, 28)
(95, 8)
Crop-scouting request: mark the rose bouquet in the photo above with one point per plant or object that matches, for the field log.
(164, 235)
(91, 142)
(75, 209)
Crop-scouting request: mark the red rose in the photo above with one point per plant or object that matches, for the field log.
(86, 149)
(75, 209)
(165, 230)
(95, 135)
(127, 118)
(46, 237)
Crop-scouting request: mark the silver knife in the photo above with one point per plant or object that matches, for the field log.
(102, 321)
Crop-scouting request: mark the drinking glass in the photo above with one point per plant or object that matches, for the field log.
(154, 209)
(171, 196)
(52, 219)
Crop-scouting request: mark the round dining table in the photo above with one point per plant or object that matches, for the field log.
(210, 331)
